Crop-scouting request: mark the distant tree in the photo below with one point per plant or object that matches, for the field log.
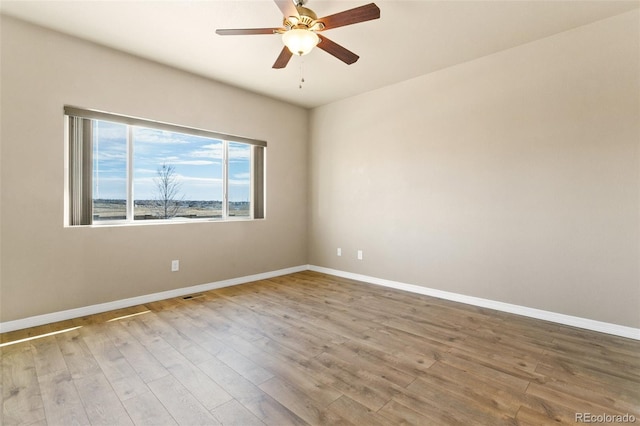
(168, 198)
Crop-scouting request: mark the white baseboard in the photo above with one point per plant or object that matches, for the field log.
(588, 324)
(603, 327)
(133, 301)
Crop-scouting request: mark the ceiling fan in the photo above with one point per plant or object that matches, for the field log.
(301, 27)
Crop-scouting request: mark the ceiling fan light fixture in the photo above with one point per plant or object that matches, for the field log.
(300, 26)
(300, 41)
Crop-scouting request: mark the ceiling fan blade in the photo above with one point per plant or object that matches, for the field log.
(283, 58)
(247, 31)
(352, 16)
(286, 7)
(333, 48)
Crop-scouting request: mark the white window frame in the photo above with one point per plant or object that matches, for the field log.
(257, 171)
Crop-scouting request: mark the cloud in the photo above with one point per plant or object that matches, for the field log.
(144, 135)
(213, 150)
(239, 152)
(112, 134)
(188, 180)
(238, 182)
(107, 156)
(194, 162)
(122, 180)
(192, 180)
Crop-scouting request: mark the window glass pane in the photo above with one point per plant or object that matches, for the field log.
(239, 182)
(176, 175)
(109, 171)
(125, 169)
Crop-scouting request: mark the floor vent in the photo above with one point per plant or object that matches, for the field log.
(192, 296)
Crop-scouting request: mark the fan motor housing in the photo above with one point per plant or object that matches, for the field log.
(307, 16)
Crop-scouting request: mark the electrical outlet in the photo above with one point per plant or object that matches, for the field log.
(175, 265)
(339, 251)
(359, 254)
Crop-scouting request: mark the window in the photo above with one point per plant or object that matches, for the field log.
(125, 170)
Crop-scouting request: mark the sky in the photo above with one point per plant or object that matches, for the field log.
(198, 163)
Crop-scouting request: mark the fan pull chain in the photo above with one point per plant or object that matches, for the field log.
(301, 72)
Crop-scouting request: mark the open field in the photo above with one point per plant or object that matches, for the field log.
(150, 210)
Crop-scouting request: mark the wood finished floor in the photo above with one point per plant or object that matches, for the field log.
(314, 349)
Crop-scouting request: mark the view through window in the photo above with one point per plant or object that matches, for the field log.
(145, 173)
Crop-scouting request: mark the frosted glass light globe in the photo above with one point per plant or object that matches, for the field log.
(300, 41)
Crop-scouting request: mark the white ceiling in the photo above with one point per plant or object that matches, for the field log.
(411, 38)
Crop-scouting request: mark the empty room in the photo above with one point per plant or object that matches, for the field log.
(281, 212)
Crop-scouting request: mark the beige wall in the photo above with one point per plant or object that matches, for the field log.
(48, 268)
(513, 178)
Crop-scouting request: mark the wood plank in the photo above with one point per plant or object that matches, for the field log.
(245, 366)
(77, 356)
(264, 407)
(464, 383)
(545, 410)
(211, 312)
(115, 367)
(439, 405)
(100, 401)
(368, 389)
(47, 356)
(312, 411)
(593, 403)
(146, 409)
(206, 391)
(192, 326)
(487, 372)
(470, 405)
(62, 404)
(21, 396)
(299, 370)
(233, 413)
(143, 362)
(570, 378)
(396, 358)
(355, 413)
(397, 414)
(377, 364)
(529, 417)
(162, 328)
(422, 350)
(180, 403)
(506, 365)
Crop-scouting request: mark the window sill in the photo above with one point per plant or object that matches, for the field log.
(112, 224)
